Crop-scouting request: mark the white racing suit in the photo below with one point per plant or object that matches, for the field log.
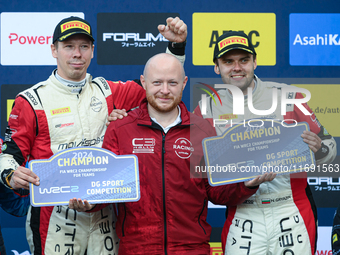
(48, 118)
(280, 218)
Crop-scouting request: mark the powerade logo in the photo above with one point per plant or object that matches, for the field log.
(314, 39)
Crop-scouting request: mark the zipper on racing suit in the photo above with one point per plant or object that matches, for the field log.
(156, 126)
(163, 182)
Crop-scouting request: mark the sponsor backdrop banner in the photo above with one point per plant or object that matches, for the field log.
(296, 44)
(325, 104)
(314, 39)
(29, 35)
(132, 41)
(260, 28)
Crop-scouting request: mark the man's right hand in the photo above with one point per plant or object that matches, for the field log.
(175, 30)
(22, 177)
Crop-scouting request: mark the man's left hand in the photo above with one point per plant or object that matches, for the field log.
(175, 30)
(312, 139)
(116, 114)
(266, 177)
(79, 205)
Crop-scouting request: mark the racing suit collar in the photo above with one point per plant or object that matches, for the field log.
(66, 89)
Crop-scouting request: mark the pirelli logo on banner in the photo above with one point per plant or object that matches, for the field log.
(260, 28)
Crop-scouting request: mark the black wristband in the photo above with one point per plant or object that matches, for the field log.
(177, 48)
(322, 152)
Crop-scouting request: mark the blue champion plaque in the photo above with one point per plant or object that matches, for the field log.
(249, 149)
(94, 174)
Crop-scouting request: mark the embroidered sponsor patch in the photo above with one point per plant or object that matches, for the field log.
(96, 104)
(228, 116)
(64, 125)
(60, 110)
(183, 148)
(143, 145)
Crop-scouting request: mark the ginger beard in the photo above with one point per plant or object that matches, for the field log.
(152, 100)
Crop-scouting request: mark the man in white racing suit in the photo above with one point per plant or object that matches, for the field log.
(69, 109)
(280, 218)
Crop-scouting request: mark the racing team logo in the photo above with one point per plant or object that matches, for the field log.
(143, 145)
(183, 148)
(96, 104)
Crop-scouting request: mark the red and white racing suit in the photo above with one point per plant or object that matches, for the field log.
(281, 217)
(50, 117)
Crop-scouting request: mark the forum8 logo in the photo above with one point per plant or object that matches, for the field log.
(238, 99)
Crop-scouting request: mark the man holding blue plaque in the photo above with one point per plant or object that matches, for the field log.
(13, 202)
(281, 217)
(170, 217)
(69, 109)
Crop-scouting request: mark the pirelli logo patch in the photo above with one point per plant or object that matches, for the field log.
(60, 110)
(233, 40)
(228, 116)
(74, 24)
